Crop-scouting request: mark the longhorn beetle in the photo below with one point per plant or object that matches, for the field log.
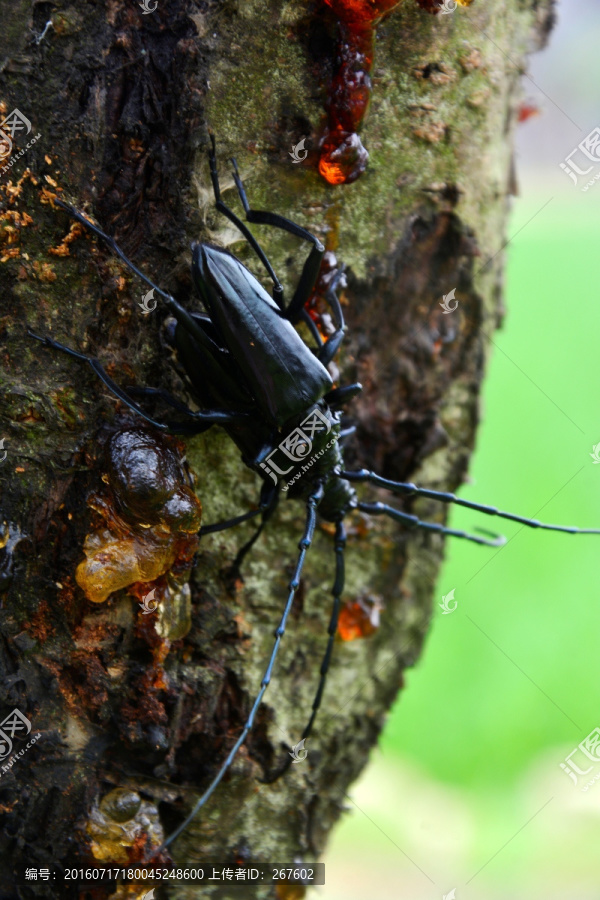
(249, 371)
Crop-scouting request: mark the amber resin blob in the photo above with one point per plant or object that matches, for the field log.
(148, 514)
(119, 822)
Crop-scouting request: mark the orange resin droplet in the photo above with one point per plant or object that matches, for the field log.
(359, 618)
(527, 111)
(343, 158)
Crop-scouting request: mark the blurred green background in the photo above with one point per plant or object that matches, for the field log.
(465, 792)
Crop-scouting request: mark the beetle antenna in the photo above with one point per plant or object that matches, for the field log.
(382, 509)
(180, 313)
(336, 592)
(309, 529)
(224, 209)
(406, 488)
(83, 220)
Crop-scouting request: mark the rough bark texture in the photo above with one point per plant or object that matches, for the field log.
(123, 102)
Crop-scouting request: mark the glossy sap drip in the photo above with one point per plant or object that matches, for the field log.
(343, 158)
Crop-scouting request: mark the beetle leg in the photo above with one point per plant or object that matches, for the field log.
(336, 591)
(332, 298)
(211, 417)
(268, 499)
(312, 328)
(181, 314)
(228, 523)
(310, 270)
(331, 346)
(204, 418)
(406, 488)
(382, 509)
(164, 396)
(214, 175)
(309, 529)
(341, 395)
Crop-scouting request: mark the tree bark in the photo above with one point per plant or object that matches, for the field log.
(123, 102)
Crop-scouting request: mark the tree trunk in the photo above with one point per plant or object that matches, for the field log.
(123, 102)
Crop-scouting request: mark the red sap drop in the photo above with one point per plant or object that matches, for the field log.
(359, 618)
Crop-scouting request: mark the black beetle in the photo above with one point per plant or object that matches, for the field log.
(249, 371)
